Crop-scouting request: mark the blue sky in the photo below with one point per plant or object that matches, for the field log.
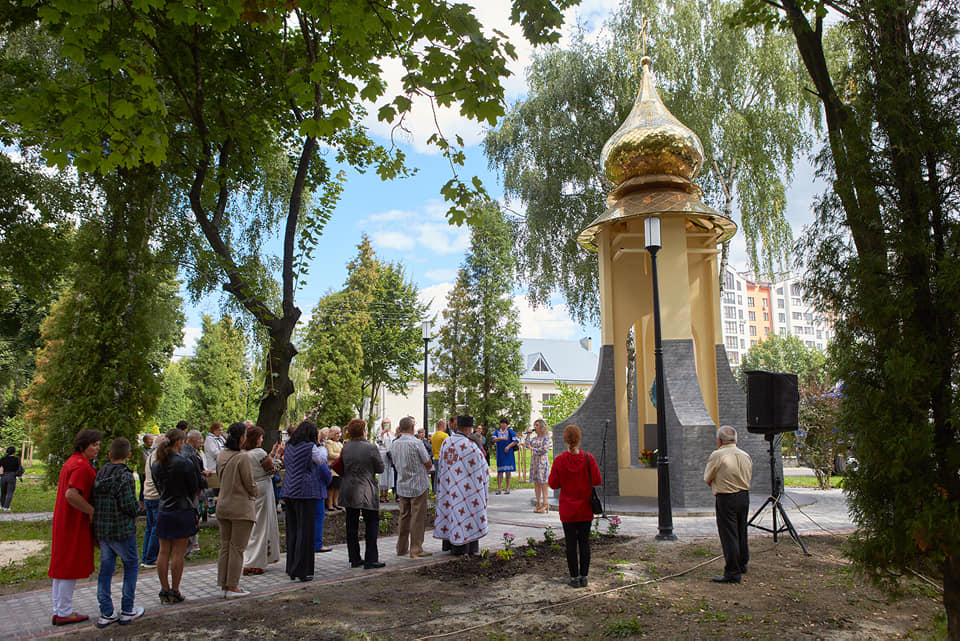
(405, 219)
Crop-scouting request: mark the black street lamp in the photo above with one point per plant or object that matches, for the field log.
(651, 235)
(426, 343)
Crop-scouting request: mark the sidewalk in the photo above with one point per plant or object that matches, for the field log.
(27, 615)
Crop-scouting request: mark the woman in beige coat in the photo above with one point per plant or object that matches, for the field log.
(236, 512)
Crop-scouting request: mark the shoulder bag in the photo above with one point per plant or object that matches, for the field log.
(595, 503)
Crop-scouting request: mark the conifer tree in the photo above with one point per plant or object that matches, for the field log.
(218, 374)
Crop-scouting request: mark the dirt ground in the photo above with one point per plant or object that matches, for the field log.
(639, 588)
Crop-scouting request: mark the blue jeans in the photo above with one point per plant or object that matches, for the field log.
(109, 551)
(151, 543)
(318, 526)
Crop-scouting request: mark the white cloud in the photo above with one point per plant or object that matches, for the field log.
(189, 344)
(422, 230)
(545, 321)
(435, 298)
(392, 240)
(441, 274)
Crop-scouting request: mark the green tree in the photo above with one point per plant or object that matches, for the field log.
(175, 403)
(737, 89)
(451, 352)
(364, 339)
(882, 260)
(484, 363)
(787, 354)
(563, 404)
(331, 356)
(233, 101)
(218, 374)
(36, 208)
(111, 332)
(822, 440)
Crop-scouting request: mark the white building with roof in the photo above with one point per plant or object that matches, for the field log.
(546, 361)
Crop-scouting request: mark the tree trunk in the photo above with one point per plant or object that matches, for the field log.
(951, 596)
(277, 386)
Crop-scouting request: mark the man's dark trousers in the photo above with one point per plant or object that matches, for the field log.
(732, 510)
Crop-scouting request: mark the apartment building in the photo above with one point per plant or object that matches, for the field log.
(754, 309)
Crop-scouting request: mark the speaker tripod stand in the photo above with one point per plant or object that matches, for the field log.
(774, 500)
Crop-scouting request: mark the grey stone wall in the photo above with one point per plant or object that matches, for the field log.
(733, 412)
(592, 417)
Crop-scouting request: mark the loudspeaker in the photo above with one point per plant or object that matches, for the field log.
(773, 402)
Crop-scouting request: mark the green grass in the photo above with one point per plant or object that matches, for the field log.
(33, 494)
(35, 567)
(623, 628)
(810, 481)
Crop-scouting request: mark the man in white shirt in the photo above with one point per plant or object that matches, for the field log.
(412, 464)
(728, 473)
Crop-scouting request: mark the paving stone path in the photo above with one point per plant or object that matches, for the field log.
(27, 615)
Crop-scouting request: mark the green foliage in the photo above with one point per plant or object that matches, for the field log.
(232, 101)
(175, 403)
(477, 359)
(108, 337)
(564, 403)
(362, 340)
(737, 89)
(821, 439)
(217, 376)
(786, 354)
(881, 260)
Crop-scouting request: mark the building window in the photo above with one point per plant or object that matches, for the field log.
(729, 312)
(811, 344)
(740, 314)
(782, 318)
(763, 302)
(780, 290)
(779, 303)
(797, 316)
(540, 366)
(743, 329)
(750, 302)
(732, 342)
(739, 299)
(766, 331)
(743, 344)
(794, 289)
(730, 327)
(753, 330)
(739, 286)
(752, 316)
(783, 331)
(819, 334)
(766, 316)
(546, 401)
(752, 343)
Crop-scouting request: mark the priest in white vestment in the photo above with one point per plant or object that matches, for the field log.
(462, 485)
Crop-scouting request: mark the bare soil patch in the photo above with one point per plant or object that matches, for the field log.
(639, 588)
(16, 551)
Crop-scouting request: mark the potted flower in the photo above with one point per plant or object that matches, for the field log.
(648, 458)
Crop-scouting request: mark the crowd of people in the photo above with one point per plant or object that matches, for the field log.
(182, 473)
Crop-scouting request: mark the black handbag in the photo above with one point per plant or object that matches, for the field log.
(595, 503)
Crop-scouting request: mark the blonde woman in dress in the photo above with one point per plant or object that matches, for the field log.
(264, 545)
(539, 446)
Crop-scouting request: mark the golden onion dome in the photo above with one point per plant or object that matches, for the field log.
(651, 140)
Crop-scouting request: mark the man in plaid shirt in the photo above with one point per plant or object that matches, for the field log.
(115, 526)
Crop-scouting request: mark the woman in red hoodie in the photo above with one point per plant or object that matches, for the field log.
(574, 473)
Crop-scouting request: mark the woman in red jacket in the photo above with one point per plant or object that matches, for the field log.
(574, 473)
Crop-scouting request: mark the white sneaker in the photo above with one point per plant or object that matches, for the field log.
(130, 617)
(104, 621)
(230, 594)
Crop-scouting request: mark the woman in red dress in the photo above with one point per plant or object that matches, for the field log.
(71, 549)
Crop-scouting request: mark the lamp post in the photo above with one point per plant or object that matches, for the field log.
(651, 236)
(426, 343)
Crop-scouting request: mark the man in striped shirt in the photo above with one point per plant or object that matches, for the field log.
(412, 465)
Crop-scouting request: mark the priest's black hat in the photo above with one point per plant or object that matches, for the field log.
(464, 421)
